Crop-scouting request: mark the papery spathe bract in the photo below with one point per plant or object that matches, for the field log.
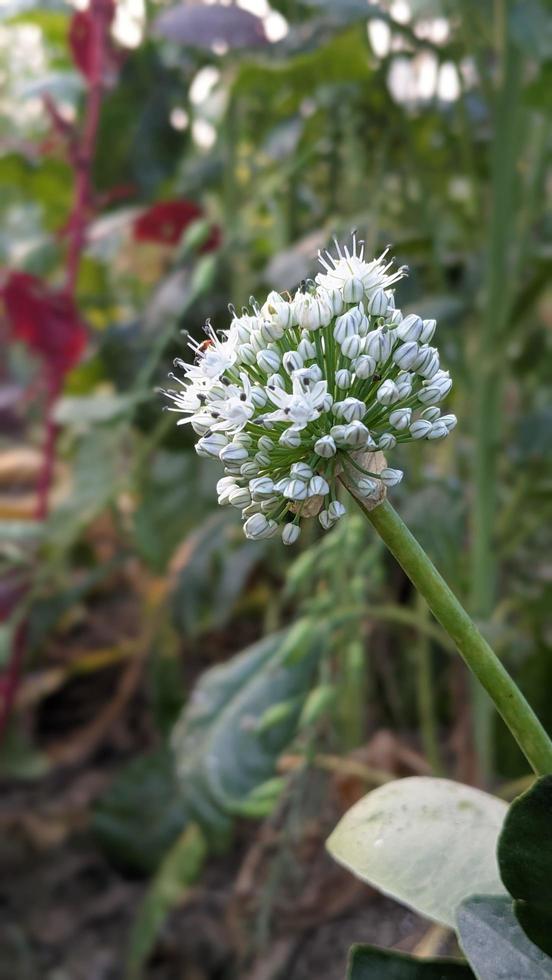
(298, 389)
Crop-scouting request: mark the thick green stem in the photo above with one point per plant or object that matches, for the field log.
(489, 370)
(482, 661)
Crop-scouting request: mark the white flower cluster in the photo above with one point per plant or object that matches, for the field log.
(295, 388)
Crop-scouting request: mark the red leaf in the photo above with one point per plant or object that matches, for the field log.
(89, 39)
(46, 320)
(164, 223)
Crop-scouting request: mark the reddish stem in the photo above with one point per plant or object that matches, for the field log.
(46, 475)
(81, 157)
(100, 19)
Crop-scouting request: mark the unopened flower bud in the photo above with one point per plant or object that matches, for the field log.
(296, 490)
(387, 441)
(410, 328)
(290, 438)
(406, 355)
(301, 470)
(378, 303)
(239, 497)
(256, 526)
(325, 447)
(261, 486)
(290, 533)
(365, 366)
(387, 393)
(292, 361)
(214, 445)
(420, 428)
(349, 409)
(352, 346)
(268, 360)
(353, 290)
(450, 421)
(318, 487)
(379, 344)
(428, 331)
(356, 435)
(343, 378)
(391, 477)
(438, 430)
(432, 413)
(400, 418)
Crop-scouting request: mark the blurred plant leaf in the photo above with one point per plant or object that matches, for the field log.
(179, 869)
(220, 755)
(209, 572)
(525, 861)
(136, 141)
(161, 522)
(344, 59)
(98, 475)
(47, 182)
(84, 410)
(495, 944)
(205, 27)
(436, 513)
(372, 963)
(141, 814)
(426, 842)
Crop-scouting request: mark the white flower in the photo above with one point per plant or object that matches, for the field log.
(271, 397)
(354, 277)
(300, 406)
(313, 310)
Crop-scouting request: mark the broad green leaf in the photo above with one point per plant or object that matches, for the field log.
(525, 860)
(180, 869)
(141, 813)
(427, 842)
(495, 944)
(372, 963)
(220, 754)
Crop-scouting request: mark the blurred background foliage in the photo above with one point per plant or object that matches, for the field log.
(231, 141)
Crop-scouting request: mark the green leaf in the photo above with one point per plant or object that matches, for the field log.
(426, 842)
(141, 813)
(220, 755)
(344, 59)
(372, 963)
(179, 869)
(525, 860)
(213, 564)
(495, 943)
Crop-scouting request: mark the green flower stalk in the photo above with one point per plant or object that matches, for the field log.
(306, 392)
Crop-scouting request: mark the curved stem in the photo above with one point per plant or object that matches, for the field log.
(482, 661)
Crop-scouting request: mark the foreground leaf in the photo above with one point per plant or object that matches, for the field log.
(525, 860)
(141, 813)
(180, 868)
(371, 963)
(220, 754)
(427, 842)
(495, 943)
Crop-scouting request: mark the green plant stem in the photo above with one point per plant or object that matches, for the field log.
(490, 370)
(478, 655)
